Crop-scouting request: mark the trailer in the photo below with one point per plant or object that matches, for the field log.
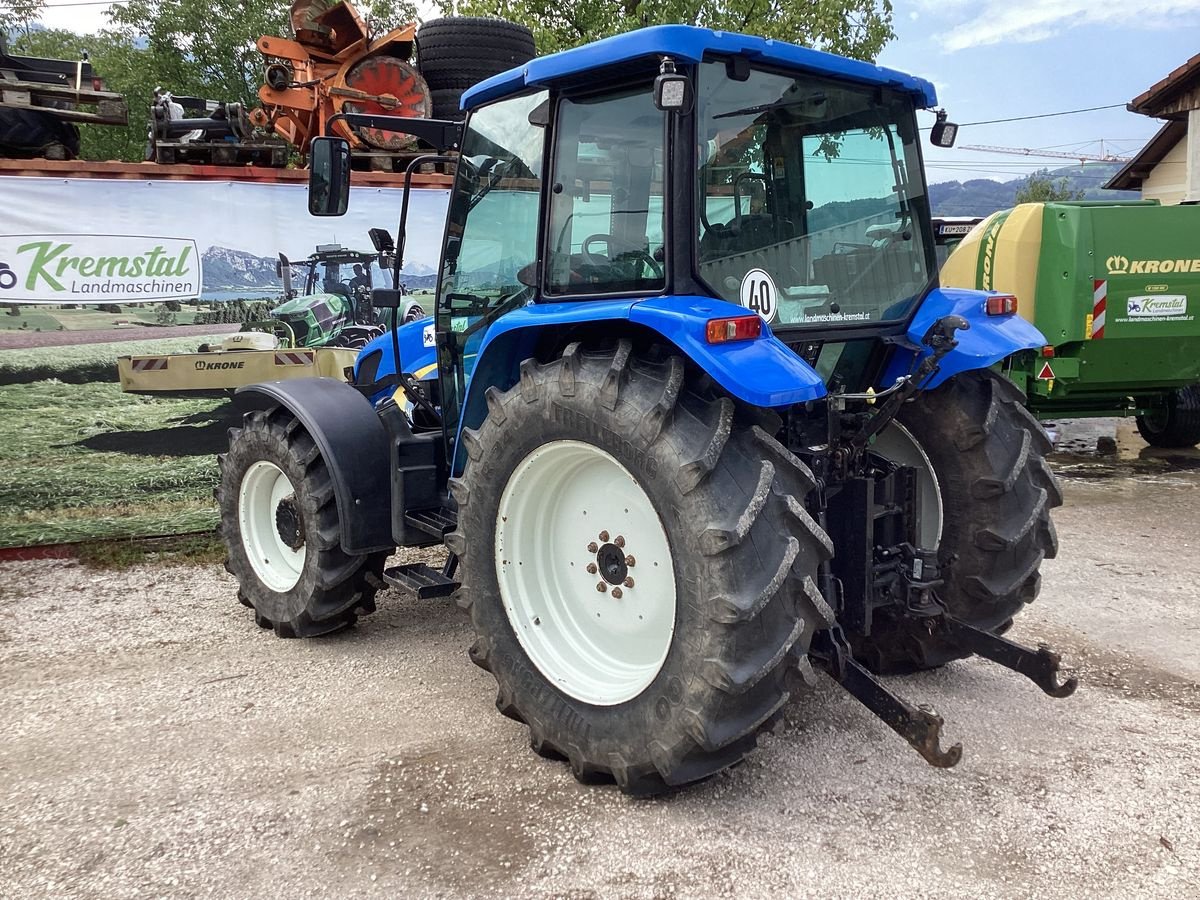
(1115, 287)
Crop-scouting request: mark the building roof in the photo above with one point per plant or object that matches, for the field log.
(1158, 99)
(1134, 172)
(686, 43)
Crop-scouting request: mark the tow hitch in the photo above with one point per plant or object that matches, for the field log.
(920, 725)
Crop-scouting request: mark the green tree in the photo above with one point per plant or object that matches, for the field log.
(384, 15)
(204, 48)
(857, 28)
(1041, 188)
(18, 16)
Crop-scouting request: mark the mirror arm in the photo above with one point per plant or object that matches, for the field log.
(442, 134)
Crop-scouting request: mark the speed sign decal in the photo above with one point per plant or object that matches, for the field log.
(758, 294)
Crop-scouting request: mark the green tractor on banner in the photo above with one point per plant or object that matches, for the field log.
(325, 318)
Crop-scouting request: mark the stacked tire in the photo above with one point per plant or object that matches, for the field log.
(454, 54)
(29, 133)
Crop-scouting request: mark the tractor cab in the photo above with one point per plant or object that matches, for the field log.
(680, 162)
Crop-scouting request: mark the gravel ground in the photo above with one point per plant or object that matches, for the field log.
(156, 743)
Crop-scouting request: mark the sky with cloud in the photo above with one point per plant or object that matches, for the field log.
(1000, 59)
(996, 59)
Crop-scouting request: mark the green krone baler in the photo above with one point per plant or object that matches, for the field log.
(1115, 288)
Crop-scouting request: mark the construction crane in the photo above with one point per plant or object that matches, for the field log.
(1057, 154)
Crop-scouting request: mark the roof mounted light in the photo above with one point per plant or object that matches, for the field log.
(943, 133)
(672, 90)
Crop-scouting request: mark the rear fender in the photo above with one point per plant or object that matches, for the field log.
(354, 445)
(762, 372)
(989, 340)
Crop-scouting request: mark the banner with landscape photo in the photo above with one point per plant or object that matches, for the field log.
(91, 270)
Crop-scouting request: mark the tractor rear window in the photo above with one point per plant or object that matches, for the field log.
(812, 201)
(606, 215)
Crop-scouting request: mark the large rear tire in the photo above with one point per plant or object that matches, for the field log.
(992, 491)
(1177, 424)
(458, 53)
(667, 677)
(280, 525)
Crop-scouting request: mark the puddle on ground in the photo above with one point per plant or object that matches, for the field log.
(1107, 448)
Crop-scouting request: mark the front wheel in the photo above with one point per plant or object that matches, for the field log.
(985, 494)
(1176, 424)
(280, 524)
(639, 567)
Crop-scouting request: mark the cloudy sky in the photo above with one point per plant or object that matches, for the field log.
(997, 59)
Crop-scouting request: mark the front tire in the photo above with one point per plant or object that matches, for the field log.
(280, 525)
(994, 492)
(671, 680)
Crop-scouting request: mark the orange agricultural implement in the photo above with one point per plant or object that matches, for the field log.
(332, 65)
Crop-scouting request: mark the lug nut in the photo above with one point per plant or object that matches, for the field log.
(601, 587)
(619, 540)
(604, 536)
(628, 582)
(591, 569)
(593, 547)
(630, 561)
(616, 592)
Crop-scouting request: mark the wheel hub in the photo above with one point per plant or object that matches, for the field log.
(610, 560)
(288, 524)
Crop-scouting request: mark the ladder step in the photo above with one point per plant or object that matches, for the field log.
(438, 521)
(420, 581)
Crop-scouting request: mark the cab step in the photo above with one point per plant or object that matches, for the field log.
(419, 581)
(438, 521)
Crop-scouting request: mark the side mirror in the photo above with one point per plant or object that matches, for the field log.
(328, 176)
(944, 133)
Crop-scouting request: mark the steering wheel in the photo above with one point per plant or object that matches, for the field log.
(637, 253)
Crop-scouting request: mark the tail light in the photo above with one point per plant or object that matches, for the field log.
(1001, 305)
(97, 84)
(742, 328)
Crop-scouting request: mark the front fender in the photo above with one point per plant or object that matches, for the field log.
(989, 339)
(354, 445)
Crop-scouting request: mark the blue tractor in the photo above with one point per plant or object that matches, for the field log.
(692, 417)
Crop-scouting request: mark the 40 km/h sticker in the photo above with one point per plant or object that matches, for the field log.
(758, 294)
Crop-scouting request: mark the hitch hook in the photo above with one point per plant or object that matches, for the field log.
(920, 726)
(1041, 666)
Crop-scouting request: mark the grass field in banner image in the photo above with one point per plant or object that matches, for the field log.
(80, 461)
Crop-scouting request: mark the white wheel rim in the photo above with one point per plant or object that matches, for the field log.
(277, 565)
(897, 444)
(563, 510)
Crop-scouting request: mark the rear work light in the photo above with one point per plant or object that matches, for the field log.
(1001, 305)
(743, 328)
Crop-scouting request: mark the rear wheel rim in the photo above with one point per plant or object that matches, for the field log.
(585, 572)
(898, 444)
(264, 489)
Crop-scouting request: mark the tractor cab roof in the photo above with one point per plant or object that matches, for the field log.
(685, 43)
(339, 255)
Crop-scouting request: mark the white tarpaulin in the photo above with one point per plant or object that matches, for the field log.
(91, 240)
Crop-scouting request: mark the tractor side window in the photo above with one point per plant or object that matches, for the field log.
(606, 230)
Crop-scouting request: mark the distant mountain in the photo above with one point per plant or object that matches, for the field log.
(982, 196)
(230, 270)
(419, 282)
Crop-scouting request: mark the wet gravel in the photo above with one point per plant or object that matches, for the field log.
(154, 742)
